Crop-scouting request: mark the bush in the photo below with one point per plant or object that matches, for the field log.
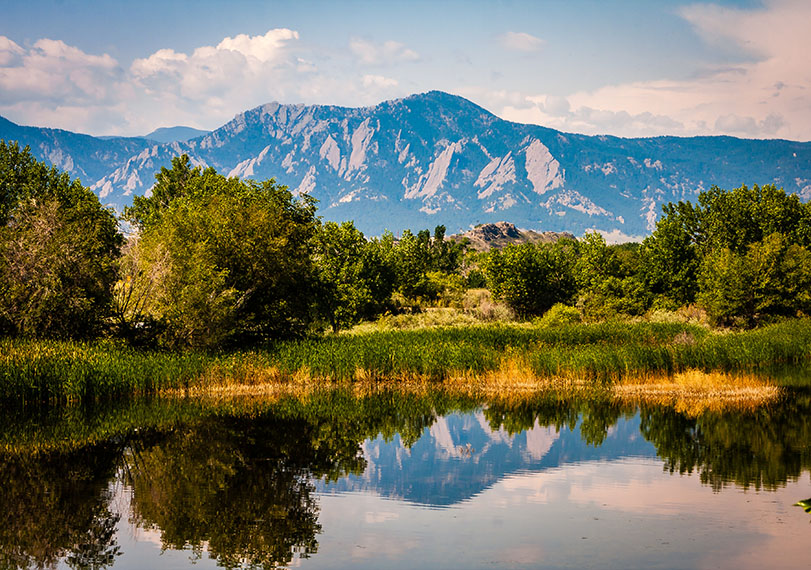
(560, 315)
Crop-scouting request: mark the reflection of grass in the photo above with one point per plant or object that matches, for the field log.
(690, 392)
(693, 391)
(489, 358)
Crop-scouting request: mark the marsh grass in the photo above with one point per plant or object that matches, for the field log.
(62, 371)
(485, 357)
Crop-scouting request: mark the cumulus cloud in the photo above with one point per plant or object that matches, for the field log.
(521, 41)
(53, 84)
(765, 96)
(235, 65)
(386, 53)
(51, 70)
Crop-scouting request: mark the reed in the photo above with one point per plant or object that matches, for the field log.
(490, 356)
(48, 372)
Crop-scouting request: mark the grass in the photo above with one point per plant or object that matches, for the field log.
(489, 357)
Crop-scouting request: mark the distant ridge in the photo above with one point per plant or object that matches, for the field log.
(436, 158)
(175, 134)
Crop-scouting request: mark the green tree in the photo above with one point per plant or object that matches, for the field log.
(687, 235)
(725, 287)
(235, 261)
(671, 256)
(607, 281)
(356, 278)
(58, 251)
(420, 259)
(170, 183)
(531, 278)
(771, 277)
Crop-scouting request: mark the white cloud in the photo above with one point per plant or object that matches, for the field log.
(521, 41)
(236, 66)
(53, 71)
(259, 48)
(767, 96)
(53, 84)
(387, 53)
(378, 81)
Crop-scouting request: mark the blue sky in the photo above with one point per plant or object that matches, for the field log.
(620, 67)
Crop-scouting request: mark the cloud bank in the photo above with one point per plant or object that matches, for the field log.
(765, 93)
(768, 96)
(53, 84)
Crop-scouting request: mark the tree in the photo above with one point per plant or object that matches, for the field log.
(420, 259)
(170, 183)
(670, 257)
(606, 280)
(356, 278)
(770, 278)
(687, 235)
(58, 251)
(235, 261)
(531, 278)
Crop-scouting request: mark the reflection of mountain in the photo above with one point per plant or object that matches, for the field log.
(460, 456)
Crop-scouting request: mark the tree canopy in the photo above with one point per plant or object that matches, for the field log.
(58, 251)
(226, 260)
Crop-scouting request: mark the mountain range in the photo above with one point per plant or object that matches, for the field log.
(436, 158)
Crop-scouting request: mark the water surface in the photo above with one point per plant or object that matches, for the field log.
(333, 480)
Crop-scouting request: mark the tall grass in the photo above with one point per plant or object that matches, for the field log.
(787, 343)
(52, 371)
(62, 371)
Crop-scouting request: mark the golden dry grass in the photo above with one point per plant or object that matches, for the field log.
(691, 392)
(695, 391)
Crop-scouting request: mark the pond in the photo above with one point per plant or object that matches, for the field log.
(384, 479)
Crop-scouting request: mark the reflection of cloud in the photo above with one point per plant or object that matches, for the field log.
(521, 41)
(766, 95)
(540, 440)
(632, 513)
(378, 517)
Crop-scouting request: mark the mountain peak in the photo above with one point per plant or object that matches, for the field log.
(436, 158)
(175, 134)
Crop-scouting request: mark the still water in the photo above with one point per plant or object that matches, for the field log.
(385, 480)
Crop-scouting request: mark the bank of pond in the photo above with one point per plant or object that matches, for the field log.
(38, 372)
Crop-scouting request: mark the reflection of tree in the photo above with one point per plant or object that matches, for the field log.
(762, 448)
(57, 505)
(241, 486)
(595, 416)
(238, 480)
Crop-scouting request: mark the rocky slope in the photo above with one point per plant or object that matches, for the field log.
(435, 158)
(485, 237)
